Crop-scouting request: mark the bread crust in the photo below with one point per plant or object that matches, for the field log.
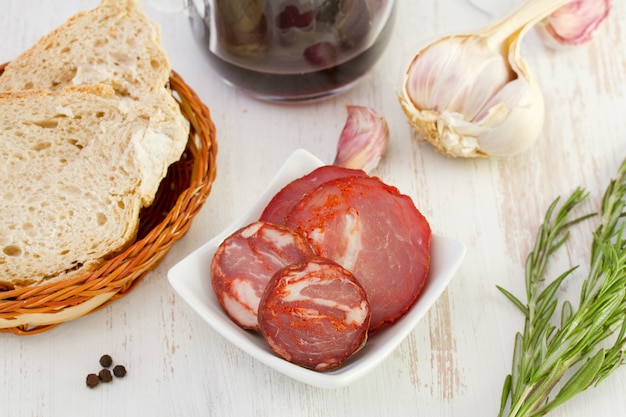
(114, 44)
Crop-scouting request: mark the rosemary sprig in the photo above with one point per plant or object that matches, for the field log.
(572, 354)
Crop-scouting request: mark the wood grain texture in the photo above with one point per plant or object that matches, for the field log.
(454, 361)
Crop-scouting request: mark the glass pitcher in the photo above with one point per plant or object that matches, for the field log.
(292, 50)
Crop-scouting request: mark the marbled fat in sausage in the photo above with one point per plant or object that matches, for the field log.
(289, 195)
(246, 260)
(372, 230)
(315, 315)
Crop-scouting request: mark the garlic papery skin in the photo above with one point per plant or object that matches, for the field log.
(363, 140)
(574, 24)
(473, 95)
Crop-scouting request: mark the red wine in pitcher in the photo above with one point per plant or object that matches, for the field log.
(293, 50)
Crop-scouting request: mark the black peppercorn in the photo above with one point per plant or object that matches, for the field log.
(106, 361)
(119, 371)
(105, 375)
(92, 380)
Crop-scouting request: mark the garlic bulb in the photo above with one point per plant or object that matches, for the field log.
(473, 95)
(574, 24)
(363, 140)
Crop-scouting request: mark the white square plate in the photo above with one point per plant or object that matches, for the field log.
(190, 278)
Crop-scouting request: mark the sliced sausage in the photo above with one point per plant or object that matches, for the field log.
(372, 230)
(246, 260)
(315, 315)
(289, 195)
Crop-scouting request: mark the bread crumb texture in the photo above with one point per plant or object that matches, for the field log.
(77, 167)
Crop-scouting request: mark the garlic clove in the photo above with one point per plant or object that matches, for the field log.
(574, 24)
(513, 129)
(434, 81)
(515, 114)
(363, 140)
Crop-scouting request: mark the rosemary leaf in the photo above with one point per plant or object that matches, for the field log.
(506, 389)
(514, 300)
(577, 383)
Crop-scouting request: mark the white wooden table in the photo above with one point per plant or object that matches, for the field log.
(454, 361)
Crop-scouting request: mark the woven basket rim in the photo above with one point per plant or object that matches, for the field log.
(37, 308)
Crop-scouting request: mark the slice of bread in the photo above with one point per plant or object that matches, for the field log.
(76, 166)
(114, 44)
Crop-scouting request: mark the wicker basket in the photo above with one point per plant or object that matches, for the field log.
(181, 194)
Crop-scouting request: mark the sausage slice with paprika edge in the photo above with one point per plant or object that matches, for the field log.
(246, 260)
(376, 233)
(289, 195)
(315, 314)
